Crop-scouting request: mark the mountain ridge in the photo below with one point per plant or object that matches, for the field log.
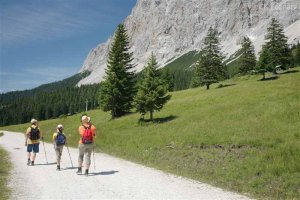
(180, 26)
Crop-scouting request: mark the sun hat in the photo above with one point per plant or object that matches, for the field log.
(33, 121)
(84, 119)
(59, 126)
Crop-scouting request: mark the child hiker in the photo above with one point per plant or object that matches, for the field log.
(59, 140)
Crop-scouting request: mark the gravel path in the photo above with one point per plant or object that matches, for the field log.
(113, 178)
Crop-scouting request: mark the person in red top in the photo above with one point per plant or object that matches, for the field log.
(87, 133)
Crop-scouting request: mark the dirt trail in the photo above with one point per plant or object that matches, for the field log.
(113, 178)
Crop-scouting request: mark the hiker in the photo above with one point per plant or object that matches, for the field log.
(32, 141)
(87, 133)
(59, 140)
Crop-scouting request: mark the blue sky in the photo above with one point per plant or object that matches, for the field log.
(42, 41)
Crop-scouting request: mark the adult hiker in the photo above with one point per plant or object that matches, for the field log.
(32, 141)
(87, 133)
(59, 140)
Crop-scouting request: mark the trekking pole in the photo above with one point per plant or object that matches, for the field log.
(45, 150)
(94, 158)
(69, 156)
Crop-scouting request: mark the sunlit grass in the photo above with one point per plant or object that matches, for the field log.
(244, 137)
(4, 173)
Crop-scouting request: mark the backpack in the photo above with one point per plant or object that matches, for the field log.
(87, 137)
(34, 134)
(60, 139)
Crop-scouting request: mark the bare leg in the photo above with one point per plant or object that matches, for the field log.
(33, 156)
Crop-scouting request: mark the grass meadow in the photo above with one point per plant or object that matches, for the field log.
(4, 173)
(243, 136)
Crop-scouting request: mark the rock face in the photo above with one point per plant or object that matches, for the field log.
(171, 28)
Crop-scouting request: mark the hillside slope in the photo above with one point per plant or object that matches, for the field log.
(243, 136)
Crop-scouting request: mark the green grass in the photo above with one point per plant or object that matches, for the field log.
(4, 173)
(244, 137)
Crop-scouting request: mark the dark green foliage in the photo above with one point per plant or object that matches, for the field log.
(118, 89)
(296, 54)
(169, 79)
(22, 106)
(47, 101)
(233, 64)
(263, 62)
(275, 51)
(247, 61)
(196, 82)
(182, 79)
(210, 69)
(181, 70)
(152, 90)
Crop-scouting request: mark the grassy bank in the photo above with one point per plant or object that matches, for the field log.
(243, 137)
(4, 173)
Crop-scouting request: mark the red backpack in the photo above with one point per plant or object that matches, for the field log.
(87, 137)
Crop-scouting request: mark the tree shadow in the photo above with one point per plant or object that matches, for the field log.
(290, 72)
(156, 120)
(225, 85)
(122, 115)
(104, 173)
(269, 78)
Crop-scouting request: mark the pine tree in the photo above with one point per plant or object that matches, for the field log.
(118, 89)
(263, 62)
(210, 67)
(169, 79)
(196, 82)
(277, 48)
(296, 54)
(247, 60)
(152, 90)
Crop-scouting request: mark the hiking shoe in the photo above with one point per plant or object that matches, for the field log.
(79, 171)
(32, 163)
(28, 162)
(58, 167)
(86, 172)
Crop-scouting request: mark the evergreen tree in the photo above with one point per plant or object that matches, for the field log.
(247, 60)
(168, 78)
(118, 89)
(152, 90)
(21, 106)
(263, 62)
(209, 67)
(296, 54)
(277, 48)
(196, 82)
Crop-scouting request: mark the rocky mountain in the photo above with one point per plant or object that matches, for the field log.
(171, 28)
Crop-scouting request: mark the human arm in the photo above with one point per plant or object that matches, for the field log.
(53, 138)
(93, 129)
(27, 136)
